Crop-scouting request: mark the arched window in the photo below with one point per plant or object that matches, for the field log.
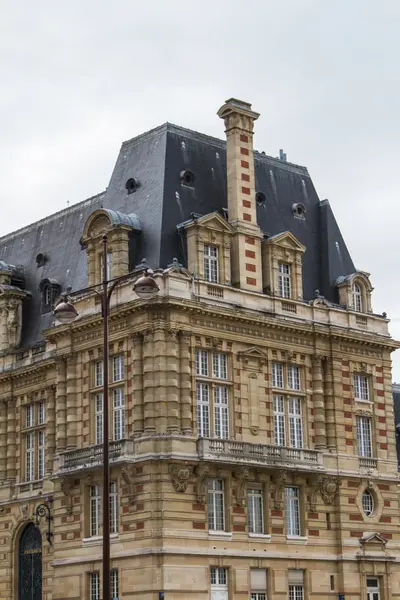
(357, 297)
(368, 503)
(30, 564)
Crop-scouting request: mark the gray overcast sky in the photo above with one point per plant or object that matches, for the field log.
(79, 77)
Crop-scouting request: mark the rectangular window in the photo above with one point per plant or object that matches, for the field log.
(202, 363)
(284, 280)
(119, 414)
(292, 506)
(30, 456)
(277, 375)
(219, 583)
(296, 584)
(118, 367)
(99, 418)
(364, 437)
(95, 499)
(109, 266)
(293, 377)
(29, 412)
(41, 413)
(220, 369)
(203, 409)
(94, 586)
(279, 421)
(361, 387)
(258, 584)
(114, 584)
(98, 373)
(295, 422)
(113, 507)
(255, 504)
(211, 264)
(216, 505)
(373, 588)
(41, 454)
(221, 415)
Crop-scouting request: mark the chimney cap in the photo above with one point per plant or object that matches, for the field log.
(233, 105)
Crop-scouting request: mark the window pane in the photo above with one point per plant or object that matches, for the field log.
(296, 592)
(99, 373)
(368, 503)
(216, 504)
(361, 387)
(364, 442)
(284, 283)
(41, 454)
(293, 377)
(94, 579)
(99, 418)
(29, 415)
(29, 456)
(279, 421)
(119, 414)
(221, 413)
(356, 297)
(114, 584)
(211, 264)
(292, 497)
(113, 507)
(118, 367)
(41, 413)
(295, 423)
(277, 375)
(255, 511)
(203, 409)
(202, 363)
(94, 510)
(220, 365)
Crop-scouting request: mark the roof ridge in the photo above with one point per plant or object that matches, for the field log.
(52, 216)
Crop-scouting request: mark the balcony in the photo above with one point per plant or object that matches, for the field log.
(367, 463)
(92, 456)
(259, 454)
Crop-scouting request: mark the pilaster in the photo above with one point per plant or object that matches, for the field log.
(61, 433)
(185, 382)
(3, 440)
(50, 429)
(137, 385)
(172, 381)
(318, 402)
(329, 404)
(71, 416)
(11, 441)
(148, 382)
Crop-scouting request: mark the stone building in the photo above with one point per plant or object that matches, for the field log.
(253, 453)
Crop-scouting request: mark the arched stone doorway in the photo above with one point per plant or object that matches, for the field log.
(30, 564)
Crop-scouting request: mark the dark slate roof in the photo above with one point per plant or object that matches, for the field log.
(155, 160)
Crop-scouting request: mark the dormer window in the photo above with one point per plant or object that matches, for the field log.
(356, 297)
(211, 271)
(284, 280)
(50, 290)
(47, 295)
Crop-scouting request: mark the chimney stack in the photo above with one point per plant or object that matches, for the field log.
(246, 244)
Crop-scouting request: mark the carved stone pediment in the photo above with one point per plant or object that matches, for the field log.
(253, 357)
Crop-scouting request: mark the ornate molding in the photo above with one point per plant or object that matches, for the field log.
(242, 478)
(202, 472)
(66, 488)
(128, 475)
(280, 482)
(328, 488)
(180, 476)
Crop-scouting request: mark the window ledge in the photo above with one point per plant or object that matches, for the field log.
(362, 401)
(225, 534)
(297, 538)
(96, 540)
(261, 536)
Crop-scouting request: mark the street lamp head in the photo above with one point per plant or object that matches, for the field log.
(65, 312)
(146, 287)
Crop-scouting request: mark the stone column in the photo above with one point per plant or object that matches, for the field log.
(148, 383)
(71, 402)
(50, 429)
(137, 385)
(3, 440)
(11, 441)
(61, 409)
(329, 404)
(172, 381)
(186, 382)
(160, 379)
(318, 402)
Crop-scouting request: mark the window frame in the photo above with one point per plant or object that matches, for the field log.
(365, 444)
(33, 432)
(361, 386)
(95, 507)
(216, 510)
(255, 493)
(357, 297)
(213, 394)
(285, 284)
(368, 510)
(293, 516)
(94, 585)
(211, 263)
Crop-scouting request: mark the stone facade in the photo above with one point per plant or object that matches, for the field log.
(253, 452)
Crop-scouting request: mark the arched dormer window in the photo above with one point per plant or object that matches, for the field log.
(50, 290)
(355, 291)
(356, 296)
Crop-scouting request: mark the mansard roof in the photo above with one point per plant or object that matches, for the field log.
(161, 201)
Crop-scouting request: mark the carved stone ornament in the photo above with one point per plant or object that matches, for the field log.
(202, 472)
(180, 476)
(363, 413)
(281, 481)
(66, 488)
(128, 475)
(24, 510)
(242, 478)
(329, 488)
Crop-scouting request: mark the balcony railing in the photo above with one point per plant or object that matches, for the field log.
(93, 455)
(367, 462)
(258, 453)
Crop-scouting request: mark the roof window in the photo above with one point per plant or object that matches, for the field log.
(187, 178)
(260, 199)
(299, 210)
(132, 185)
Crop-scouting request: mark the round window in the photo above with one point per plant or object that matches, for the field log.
(368, 503)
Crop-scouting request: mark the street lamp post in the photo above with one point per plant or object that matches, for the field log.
(65, 312)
